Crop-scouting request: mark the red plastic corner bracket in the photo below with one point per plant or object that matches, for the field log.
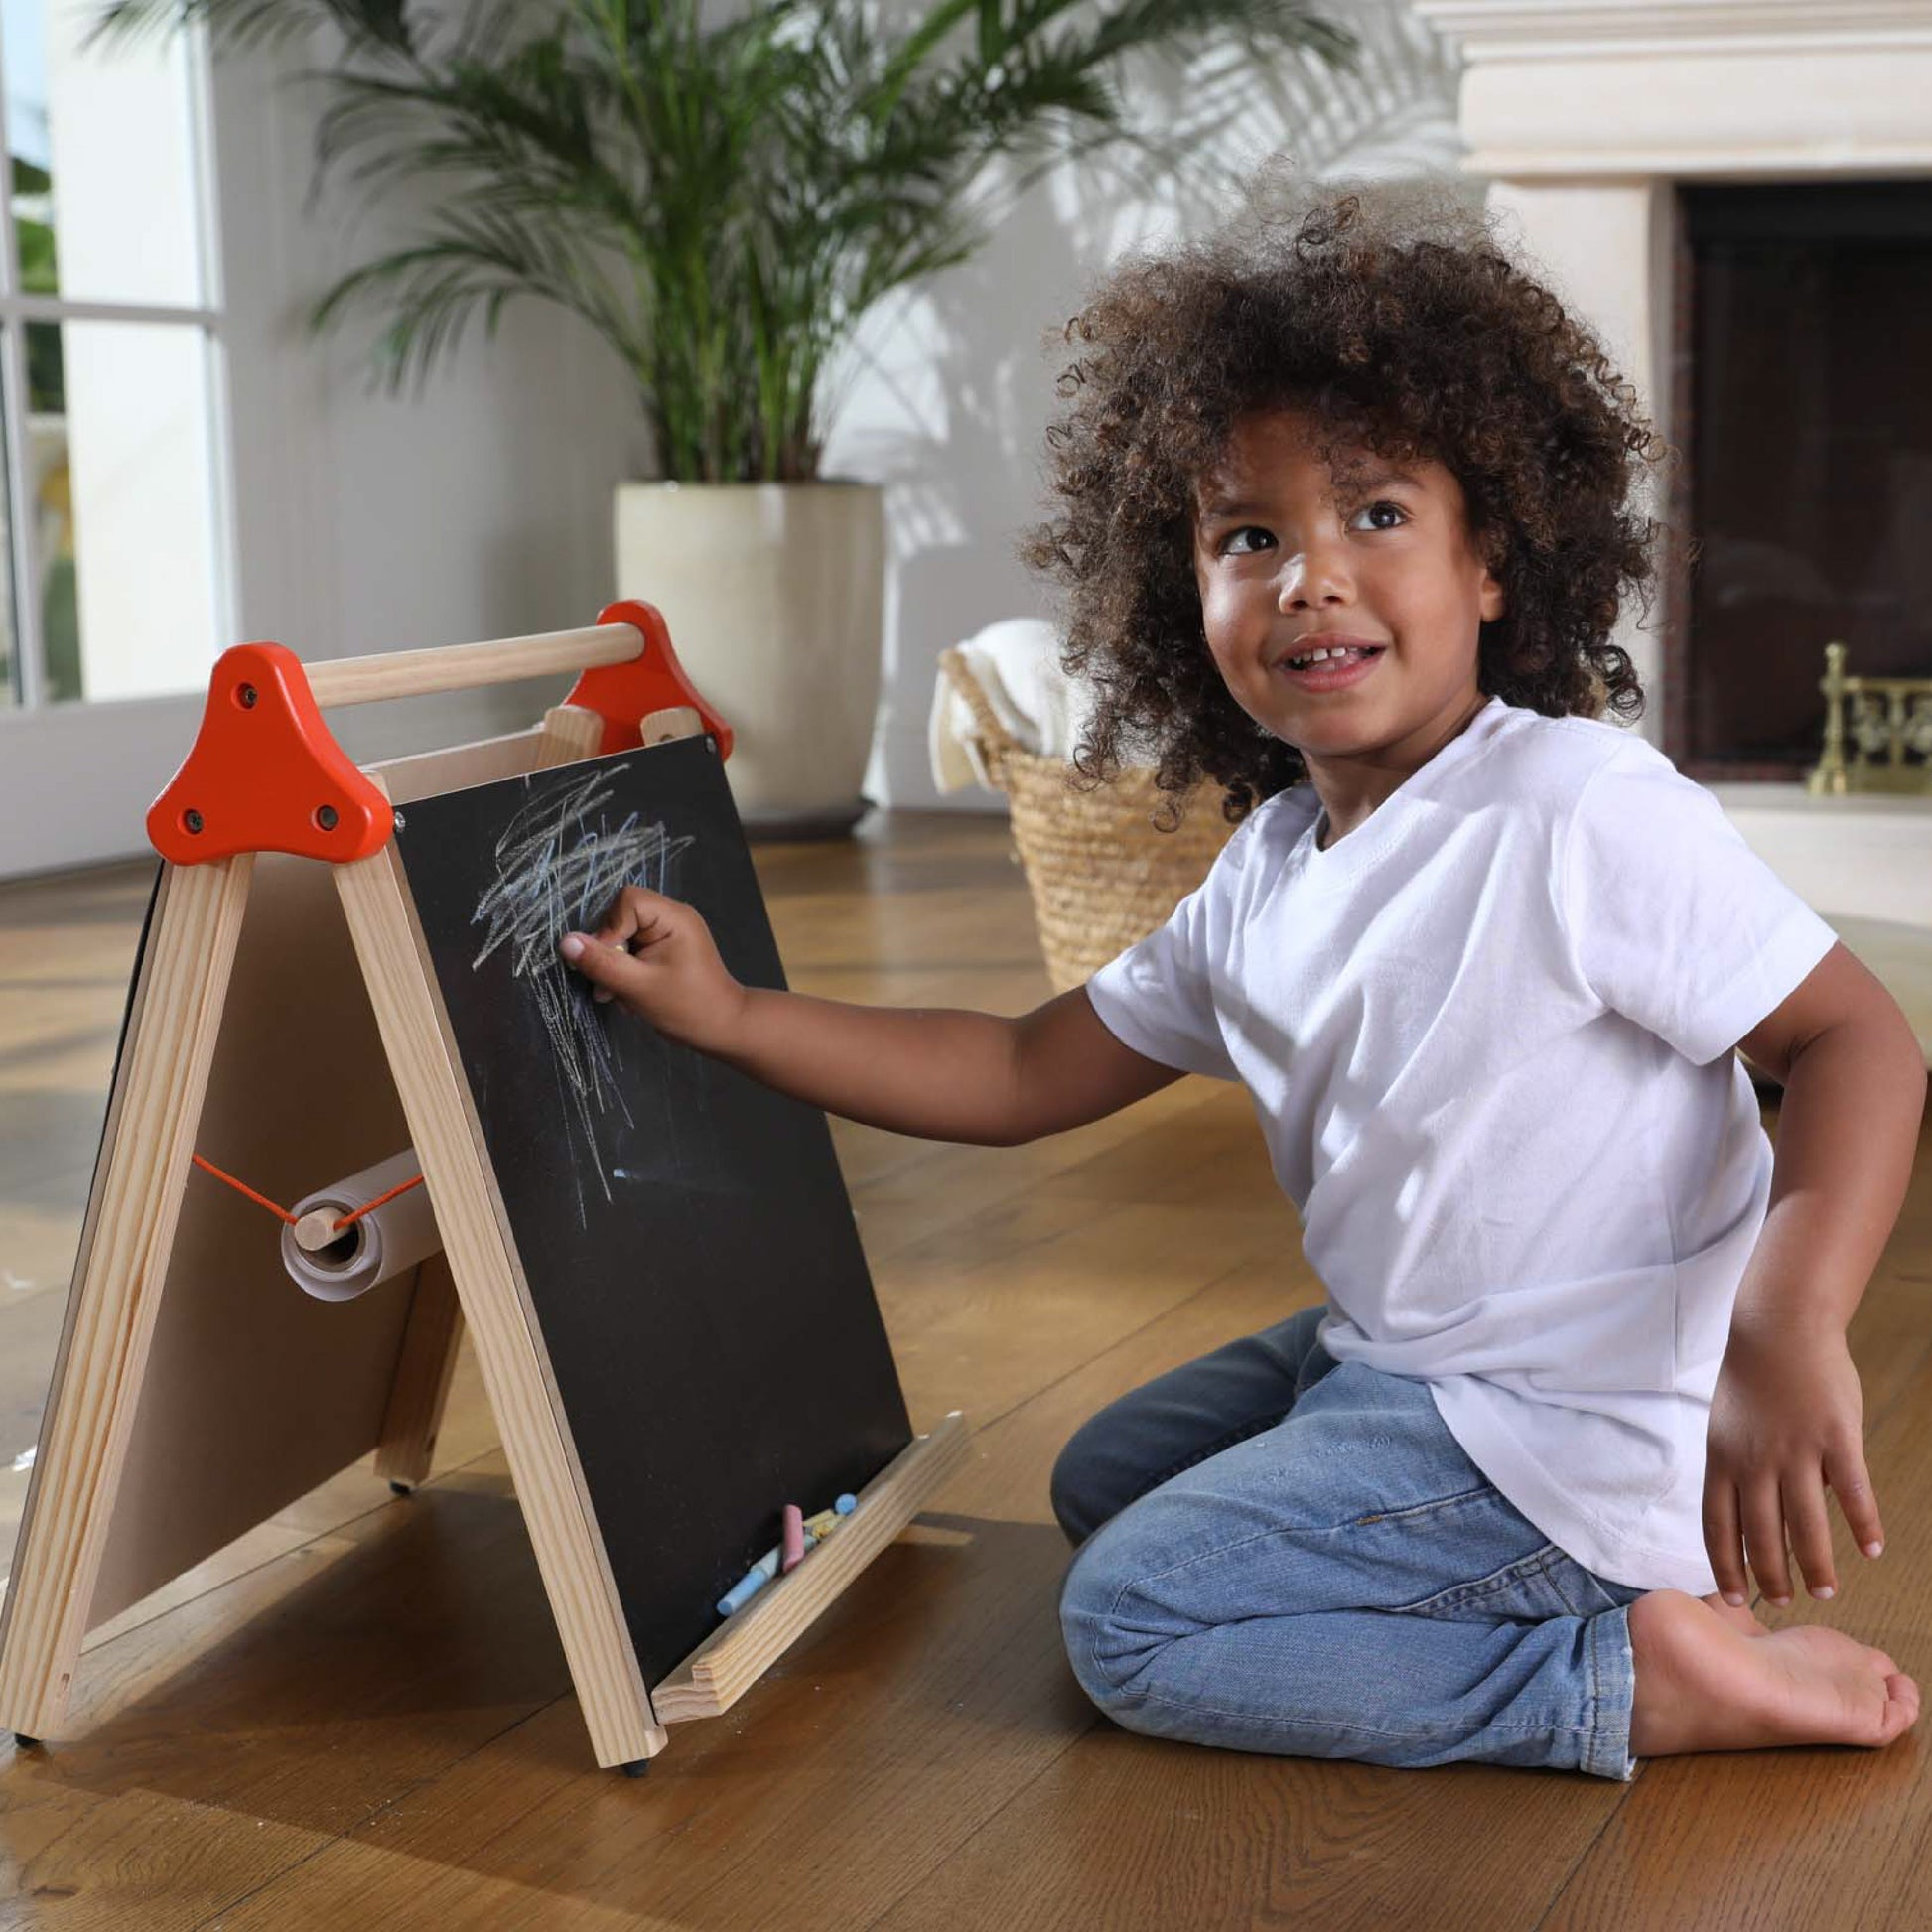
(624, 695)
(265, 774)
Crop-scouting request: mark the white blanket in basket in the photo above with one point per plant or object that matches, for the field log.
(1017, 664)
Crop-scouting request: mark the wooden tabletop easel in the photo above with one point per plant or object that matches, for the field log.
(189, 1403)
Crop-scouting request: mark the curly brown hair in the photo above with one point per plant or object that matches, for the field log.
(1392, 318)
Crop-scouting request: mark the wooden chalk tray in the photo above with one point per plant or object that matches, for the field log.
(730, 1661)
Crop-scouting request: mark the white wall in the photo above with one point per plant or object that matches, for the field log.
(366, 523)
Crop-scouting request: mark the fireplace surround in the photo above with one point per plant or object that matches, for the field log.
(1800, 398)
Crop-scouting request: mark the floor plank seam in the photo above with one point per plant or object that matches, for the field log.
(1126, 1336)
(1072, 1222)
(890, 1257)
(1582, 1857)
(361, 1825)
(986, 1824)
(1875, 1422)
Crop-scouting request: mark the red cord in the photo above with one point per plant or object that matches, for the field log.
(242, 1187)
(379, 1200)
(282, 1213)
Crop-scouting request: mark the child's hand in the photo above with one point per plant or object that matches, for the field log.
(657, 957)
(1786, 1422)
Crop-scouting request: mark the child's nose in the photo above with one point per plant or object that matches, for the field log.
(1313, 576)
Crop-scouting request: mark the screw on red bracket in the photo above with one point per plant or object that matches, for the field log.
(265, 774)
(624, 695)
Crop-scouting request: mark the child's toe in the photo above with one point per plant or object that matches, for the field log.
(1901, 1708)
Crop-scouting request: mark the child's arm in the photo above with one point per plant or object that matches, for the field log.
(945, 1074)
(1787, 1415)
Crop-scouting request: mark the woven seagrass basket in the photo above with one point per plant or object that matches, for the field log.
(1101, 875)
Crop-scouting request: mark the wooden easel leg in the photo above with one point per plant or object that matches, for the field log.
(182, 982)
(424, 1366)
(543, 1462)
(435, 1330)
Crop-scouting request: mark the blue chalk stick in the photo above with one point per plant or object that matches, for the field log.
(846, 1505)
(749, 1585)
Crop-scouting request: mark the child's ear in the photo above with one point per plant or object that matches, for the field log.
(1491, 548)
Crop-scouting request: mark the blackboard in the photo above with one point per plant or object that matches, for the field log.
(690, 1248)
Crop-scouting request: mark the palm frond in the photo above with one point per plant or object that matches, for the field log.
(723, 199)
(242, 23)
(474, 258)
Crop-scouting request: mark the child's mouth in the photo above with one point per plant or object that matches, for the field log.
(1331, 674)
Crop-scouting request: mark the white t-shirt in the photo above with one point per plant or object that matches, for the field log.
(1487, 1035)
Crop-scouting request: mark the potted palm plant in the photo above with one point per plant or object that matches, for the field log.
(721, 195)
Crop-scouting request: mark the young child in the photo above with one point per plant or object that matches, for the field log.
(1344, 521)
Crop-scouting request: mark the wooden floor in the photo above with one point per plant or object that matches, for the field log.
(359, 1716)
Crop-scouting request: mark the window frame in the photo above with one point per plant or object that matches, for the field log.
(212, 317)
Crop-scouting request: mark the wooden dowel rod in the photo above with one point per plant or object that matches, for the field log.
(457, 667)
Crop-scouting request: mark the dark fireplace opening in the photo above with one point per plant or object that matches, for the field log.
(1803, 405)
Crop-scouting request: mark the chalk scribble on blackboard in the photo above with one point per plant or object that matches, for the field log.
(559, 866)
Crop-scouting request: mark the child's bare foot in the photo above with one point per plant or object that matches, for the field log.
(1737, 1614)
(1706, 1683)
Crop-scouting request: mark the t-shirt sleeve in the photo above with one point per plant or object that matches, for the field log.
(1157, 997)
(1673, 919)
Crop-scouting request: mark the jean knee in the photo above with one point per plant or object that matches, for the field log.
(1089, 1599)
(1113, 1629)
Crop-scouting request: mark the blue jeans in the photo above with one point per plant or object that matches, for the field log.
(1281, 1553)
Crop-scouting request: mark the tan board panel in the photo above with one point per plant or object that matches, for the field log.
(253, 1392)
(423, 773)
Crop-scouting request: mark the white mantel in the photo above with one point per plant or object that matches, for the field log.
(1723, 89)
(1582, 114)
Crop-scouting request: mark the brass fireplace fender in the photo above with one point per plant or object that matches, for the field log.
(1888, 716)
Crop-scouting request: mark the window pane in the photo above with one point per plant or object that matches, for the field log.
(123, 505)
(103, 158)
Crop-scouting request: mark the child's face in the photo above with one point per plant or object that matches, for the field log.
(1284, 555)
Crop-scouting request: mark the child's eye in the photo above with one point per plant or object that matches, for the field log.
(1232, 545)
(1370, 509)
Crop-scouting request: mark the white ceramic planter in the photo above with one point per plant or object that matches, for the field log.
(774, 597)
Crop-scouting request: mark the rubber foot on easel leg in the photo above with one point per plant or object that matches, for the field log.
(26, 1743)
(402, 1488)
(637, 1769)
